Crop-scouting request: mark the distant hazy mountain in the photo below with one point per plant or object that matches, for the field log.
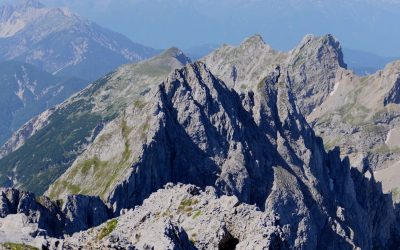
(63, 43)
(365, 63)
(27, 91)
(368, 25)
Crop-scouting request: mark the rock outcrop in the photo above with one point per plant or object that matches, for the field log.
(41, 210)
(186, 217)
(74, 214)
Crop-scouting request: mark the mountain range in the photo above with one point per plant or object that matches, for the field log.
(59, 41)
(361, 62)
(221, 153)
(48, 54)
(366, 25)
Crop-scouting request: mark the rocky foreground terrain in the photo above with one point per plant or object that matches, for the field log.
(214, 154)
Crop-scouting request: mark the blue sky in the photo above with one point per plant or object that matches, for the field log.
(369, 25)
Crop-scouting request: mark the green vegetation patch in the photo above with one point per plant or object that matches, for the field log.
(55, 148)
(139, 104)
(186, 206)
(149, 69)
(328, 145)
(261, 84)
(107, 229)
(144, 128)
(196, 214)
(99, 175)
(395, 193)
(125, 133)
(378, 115)
(86, 165)
(189, 202)
(352, 112)
(17, 246)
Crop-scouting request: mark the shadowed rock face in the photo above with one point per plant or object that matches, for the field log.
(255, 146)
(74, 214)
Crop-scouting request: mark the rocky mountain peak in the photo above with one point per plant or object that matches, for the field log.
(255, 42)
(322, 46)
(231, 128)
(176, 53)
(392, 68)
(254, 39)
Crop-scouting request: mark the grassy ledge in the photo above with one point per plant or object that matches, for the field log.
(17, 246)
(107, 229)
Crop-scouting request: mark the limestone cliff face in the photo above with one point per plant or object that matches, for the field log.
(256, 146)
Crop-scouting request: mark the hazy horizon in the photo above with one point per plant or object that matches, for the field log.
(367, 25)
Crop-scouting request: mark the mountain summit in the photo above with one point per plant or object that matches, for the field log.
(61, 42)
